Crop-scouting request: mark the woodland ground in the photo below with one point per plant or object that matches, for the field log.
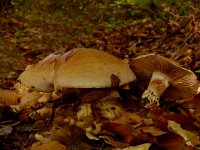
(31, 30)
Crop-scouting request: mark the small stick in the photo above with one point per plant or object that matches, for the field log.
(183, 44)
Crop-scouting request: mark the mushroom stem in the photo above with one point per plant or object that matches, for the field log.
(158, 84)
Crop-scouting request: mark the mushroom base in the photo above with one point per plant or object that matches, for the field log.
(158, 84)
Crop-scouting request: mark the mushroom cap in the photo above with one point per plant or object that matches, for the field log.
(40, 76)
(183, 82)
(89, 68)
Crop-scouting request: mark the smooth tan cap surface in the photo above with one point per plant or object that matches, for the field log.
(40, 76)
(89, 68)
(183, 82)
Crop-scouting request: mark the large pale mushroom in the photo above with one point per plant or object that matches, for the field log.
(163, 77)
(90, 68)
(40, 76)
(78, 68)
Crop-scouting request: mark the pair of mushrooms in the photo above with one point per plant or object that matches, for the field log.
(89, 68)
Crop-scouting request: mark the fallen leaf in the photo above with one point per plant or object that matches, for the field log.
(6, 130)
(145, 146)
(114, 142)
(191, 138)
(192, 103)
(127, 133)
(43, 113)
(123, 130)
(95, 95)
(154, 131)
(8, 97)
(84, 112)
(51, 145)
(69, 135)
(161, 117)
(30, 99)
(171, 141)
(108, 108)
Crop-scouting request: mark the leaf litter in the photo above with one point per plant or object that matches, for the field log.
(100, 119)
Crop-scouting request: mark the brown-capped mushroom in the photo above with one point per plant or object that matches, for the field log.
(90, 68)
(163, 77)
(40, 76)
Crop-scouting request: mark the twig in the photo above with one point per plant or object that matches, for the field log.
(171, 34)
(185, 42)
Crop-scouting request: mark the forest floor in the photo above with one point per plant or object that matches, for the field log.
(124, 30)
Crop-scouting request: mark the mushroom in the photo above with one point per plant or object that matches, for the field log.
(163, 77)
(77, 68)
(90, 68)
(40, 76)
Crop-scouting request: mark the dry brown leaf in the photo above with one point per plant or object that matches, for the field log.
(192, 103)
(145, 146)
(131, 118)
(84, 112)
(95, 95)
(68, 135)
(113, 142)
(127, 133)
(43, 113)
(8, 97)
(108, 107)
(25, 114)
(161, 117)
(171, 141)
(51, 145)
(21, 89)
(191, 138)
(154, 131)
(122, 130)
(30, 99)
(118, 128)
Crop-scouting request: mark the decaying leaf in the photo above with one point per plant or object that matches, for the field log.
(192, 103)
(6, 130)
(21, 89)
(145, 146)
(51, 145)
(131, 118)
(84, 116)
(154, 131)
(95, 95)
(114, 142)
(67, 134)
(41, 138)
(45, 97)
(191, 138)
(171, 141)
(30, 99)
(109, 109)
(123, 130)
(84, 112)
(43, 113)
(8, 97)
(161, 117)
(127, 133)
